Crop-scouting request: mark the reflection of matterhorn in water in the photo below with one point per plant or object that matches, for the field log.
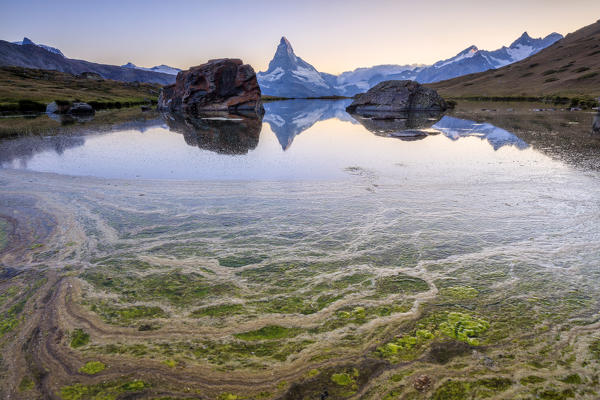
(289, 118)
(456, 128)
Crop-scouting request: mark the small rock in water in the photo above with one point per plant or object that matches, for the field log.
(422, 383)
(388, 98)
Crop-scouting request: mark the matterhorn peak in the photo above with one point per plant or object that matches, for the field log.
(285, 42)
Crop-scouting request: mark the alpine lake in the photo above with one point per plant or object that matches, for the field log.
(308, 255)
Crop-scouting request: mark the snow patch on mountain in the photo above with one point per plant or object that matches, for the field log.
(467, 53)
(26, 41)
(165, 69)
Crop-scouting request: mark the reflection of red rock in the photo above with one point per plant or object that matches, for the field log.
(219, 85)
(219, 132)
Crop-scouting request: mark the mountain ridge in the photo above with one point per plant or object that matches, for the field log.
(288, 75)
(31, 55)
(568, 67)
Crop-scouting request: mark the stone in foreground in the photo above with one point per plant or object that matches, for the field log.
(225, 85)
(390, 97)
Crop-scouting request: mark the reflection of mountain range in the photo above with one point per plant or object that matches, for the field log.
(289, 118)
(456, 128)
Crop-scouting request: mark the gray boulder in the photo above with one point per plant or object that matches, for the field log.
(388, 98)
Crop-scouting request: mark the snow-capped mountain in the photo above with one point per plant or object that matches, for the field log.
(362, 79)
(472, 60)
(290, 76)
(43, 46)
(162, 68)
(288, 119)
(456, 128)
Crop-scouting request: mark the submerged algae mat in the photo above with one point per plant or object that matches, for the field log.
(365, 288)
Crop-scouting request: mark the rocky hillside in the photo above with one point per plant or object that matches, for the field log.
(30, 55)
(570, 67)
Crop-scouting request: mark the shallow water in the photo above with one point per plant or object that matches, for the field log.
(290, 147)
(341, 235)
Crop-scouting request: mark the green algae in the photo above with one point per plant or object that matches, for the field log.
(459, 326)
(554, 394)
(26, 384)
(574, 379)
(174, 286)
(126, 315)
(79, 338)
(170, 363)
(401, 284)
(294, 304)
(464, 327)
(531, 379)
(234, 353)
(452, 390)
(462, 390)
(460, 292)
(92, 367)
(240, 261)
(228, 396)
(101, 391)
(11, 318)
(344, 378)
(269, 332)
(595, 348)
(221, 310)
(405, 347)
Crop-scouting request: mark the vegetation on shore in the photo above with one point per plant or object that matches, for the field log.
(30, 90)
(583, 102)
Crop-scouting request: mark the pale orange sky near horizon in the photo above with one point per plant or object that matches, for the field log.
(335, 36)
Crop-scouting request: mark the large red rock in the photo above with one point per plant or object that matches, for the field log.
(219, 85)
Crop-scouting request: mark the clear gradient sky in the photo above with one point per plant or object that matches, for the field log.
(333, 35)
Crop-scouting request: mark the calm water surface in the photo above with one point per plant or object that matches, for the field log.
(298, 140)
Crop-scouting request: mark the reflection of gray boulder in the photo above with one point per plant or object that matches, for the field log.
(289, 118)
(406, 126)
(66, 119)
(596, 124)
(66, 107)
(456, 128)
(219, 132)
(389, 97)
